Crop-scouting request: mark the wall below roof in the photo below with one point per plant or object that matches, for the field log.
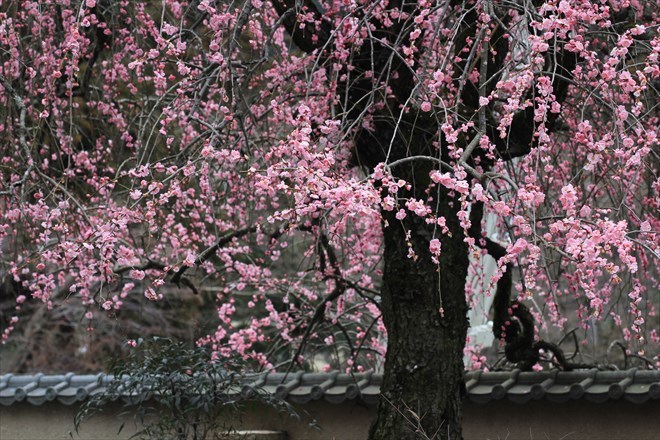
(350, 420)
(573, 420)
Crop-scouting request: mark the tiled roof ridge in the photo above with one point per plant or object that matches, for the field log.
(633, 385)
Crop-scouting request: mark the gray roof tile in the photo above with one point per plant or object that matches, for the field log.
(633, 385)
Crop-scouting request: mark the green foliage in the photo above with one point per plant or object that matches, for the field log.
(175, 392)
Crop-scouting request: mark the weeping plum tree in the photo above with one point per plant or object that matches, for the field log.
(324, 168)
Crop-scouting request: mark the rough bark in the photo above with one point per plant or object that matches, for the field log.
(423, 379)
(423, 382)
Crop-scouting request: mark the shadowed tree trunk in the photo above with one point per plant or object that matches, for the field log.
(423, 381)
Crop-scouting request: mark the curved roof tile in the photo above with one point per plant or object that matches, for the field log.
(633, 385)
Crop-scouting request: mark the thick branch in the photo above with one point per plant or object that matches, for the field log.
(520, 139)
(512, 321)
(307, 35)
(208, 252)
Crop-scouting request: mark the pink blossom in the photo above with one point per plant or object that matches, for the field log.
(434, 246)
(501, 208)
(444, 179)
(150, 294)
(136, 274)
(568, 197)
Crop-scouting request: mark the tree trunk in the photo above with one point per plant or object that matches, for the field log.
(423, 383)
